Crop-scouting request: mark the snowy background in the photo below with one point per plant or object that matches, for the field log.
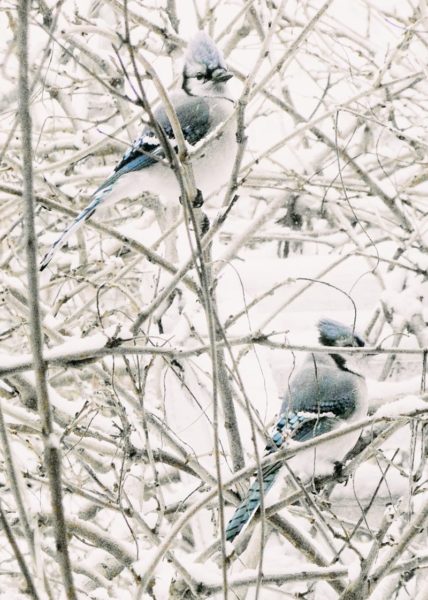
(329, 218)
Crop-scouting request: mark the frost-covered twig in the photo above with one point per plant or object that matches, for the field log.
(15, 482)
(181, 271)
(31, 587)
(126, 240)
(52, 456)
(280, 578)
(99, 347)
(277, 456)
(124, 553)
(292, 49)
(359, 587)
(132, 406)
(415, 527)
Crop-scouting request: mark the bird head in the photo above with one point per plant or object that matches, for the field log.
(205, 72)
(333, 333)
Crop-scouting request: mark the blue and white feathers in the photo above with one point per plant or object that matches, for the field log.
(323, 395)
(202, 105)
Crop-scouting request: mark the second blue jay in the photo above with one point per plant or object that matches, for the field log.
(203, 103)
(324, 394)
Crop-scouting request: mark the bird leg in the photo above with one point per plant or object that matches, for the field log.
(198, 200)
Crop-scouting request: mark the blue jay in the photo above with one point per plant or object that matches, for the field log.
(323, 394)
(203, 103)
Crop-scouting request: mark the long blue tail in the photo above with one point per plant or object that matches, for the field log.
(83, 216)
(300, 426)
(140, 155)
(251, 503)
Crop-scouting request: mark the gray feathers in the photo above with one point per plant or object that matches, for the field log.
(194, 116)
(202, 51)
(333, 333)
(202, 105)
(205, 72)
(321, 396)
(321, 386)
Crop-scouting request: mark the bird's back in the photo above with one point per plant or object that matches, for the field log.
(320, 385)
(212, 167)
(334, 396)
(324, 394)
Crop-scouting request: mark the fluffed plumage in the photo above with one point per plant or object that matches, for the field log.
(201, 106)
(323, 395)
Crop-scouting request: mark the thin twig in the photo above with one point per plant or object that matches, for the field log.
(52, 456)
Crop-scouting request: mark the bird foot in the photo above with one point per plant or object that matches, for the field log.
(198, 200)
(338, 472)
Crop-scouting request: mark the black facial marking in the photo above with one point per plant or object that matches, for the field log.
(185, 84)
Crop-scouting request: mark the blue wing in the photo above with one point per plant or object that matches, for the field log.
(139, 156)
(194, 117)
(144, 152)
(296, 426)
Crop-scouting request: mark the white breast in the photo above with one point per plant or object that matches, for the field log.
(212, 165)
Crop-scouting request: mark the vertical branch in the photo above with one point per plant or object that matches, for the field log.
(416, 526)
(14, 484)
(51, 450)
(203, 268)
(171, 11)
(31, 589)
(184, 173)
(230, 418)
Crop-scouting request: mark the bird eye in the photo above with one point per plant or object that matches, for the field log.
(200, 76)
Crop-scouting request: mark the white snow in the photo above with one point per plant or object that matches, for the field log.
(405, 406)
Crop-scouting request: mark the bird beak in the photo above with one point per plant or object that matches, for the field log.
(221, 75)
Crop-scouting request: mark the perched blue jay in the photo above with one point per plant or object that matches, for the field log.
(323, 394)
(203, 103)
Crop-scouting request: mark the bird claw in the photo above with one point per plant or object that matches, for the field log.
(197, 201)
(338, 472)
